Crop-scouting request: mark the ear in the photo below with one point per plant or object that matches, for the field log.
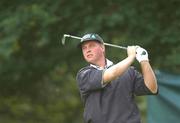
(103, 47)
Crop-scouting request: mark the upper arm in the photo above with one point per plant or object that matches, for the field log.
(139, 87)
(89, 79)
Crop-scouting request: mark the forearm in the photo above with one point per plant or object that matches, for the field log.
(149, 76)
(117, 70)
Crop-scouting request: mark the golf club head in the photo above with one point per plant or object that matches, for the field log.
(63, 39)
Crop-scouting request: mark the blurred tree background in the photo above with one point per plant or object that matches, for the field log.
(37, 73)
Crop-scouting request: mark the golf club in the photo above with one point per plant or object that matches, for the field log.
(75, 37)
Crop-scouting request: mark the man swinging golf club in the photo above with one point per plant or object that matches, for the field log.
(108, 89)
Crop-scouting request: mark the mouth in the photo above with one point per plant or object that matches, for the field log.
(89, 55)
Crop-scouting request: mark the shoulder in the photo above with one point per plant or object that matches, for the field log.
(133, 72)
(85, 70)
(132, 69)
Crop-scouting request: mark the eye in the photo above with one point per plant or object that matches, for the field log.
(84, 47)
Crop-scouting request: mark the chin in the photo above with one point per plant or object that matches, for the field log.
(90, 61)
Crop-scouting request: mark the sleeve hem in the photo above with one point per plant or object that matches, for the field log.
(102, 82)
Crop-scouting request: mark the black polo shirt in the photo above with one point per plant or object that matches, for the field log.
(114, 102)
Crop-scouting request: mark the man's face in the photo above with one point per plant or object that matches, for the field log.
(93, 51)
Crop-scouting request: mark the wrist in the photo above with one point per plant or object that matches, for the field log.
(144, 61)
(131, 58)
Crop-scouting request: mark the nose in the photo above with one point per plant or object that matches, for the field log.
(88, 49)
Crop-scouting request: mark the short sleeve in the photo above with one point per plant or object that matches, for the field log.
(139, 87)
(89, 79)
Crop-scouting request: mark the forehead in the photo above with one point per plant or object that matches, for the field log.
(90, 42)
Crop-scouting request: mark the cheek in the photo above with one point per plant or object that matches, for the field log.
(98, 51)
(83, 54)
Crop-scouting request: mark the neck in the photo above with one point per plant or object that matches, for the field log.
(101, 63)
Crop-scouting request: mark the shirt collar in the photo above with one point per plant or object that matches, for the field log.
(108, 64)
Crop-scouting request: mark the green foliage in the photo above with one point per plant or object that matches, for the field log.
(37, 73)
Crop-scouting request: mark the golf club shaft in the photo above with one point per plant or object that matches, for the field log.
(71, 36)
(106, 44)
(116, 46)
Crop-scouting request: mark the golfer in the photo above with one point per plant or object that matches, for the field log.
(108, 89)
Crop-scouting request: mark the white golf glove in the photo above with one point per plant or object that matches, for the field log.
(141, 54)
